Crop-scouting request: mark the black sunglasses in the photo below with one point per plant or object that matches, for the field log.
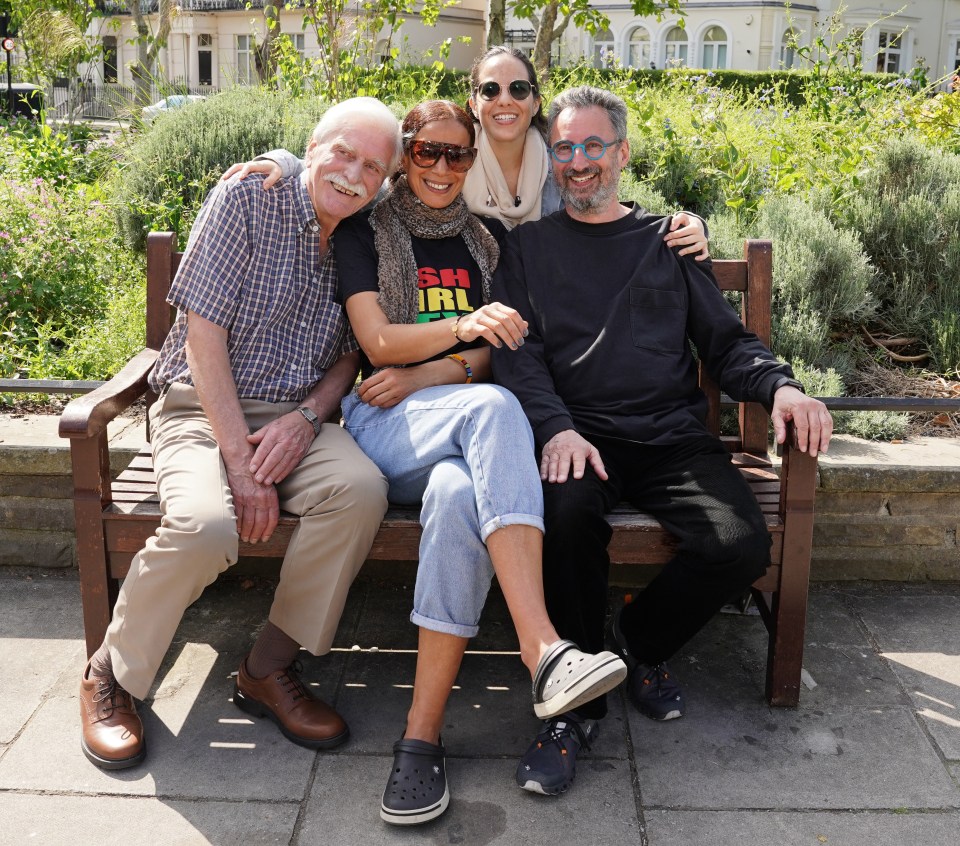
(519, 89)
(427, 154)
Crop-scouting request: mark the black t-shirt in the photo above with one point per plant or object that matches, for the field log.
(449, 278)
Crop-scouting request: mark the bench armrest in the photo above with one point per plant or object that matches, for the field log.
(87, 416)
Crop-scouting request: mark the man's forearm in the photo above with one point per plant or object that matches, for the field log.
(209, 363)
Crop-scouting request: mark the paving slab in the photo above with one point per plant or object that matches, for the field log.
(861, 761)
(838, 656)
(491, 689)
(486, 807)
(207, 750)
(39, 628)
(858, 828)
(759, 757)
(81, 820)
(926, 661)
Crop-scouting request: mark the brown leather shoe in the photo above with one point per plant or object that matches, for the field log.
(282, 698)
(112, 734)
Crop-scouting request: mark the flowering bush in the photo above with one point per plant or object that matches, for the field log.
(58, 256)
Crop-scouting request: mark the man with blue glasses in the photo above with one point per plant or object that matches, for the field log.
(609, 384)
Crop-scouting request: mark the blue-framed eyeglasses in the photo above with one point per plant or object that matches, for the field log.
(593, 148)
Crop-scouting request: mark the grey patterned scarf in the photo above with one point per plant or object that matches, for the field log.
(400, 215)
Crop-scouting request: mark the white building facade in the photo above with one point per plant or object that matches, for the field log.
(755, 35)
(211, 42)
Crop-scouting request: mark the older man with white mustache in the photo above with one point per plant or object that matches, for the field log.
(260, 354)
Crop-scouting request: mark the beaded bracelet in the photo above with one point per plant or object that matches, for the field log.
(466, 366)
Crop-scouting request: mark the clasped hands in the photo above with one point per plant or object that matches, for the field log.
(278, 448)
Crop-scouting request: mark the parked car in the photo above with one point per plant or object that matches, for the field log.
(174, 101)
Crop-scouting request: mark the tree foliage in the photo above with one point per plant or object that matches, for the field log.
(551, 18)
(51, 35)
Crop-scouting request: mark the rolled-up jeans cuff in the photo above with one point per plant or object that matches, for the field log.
(505, 520)
(442, 627)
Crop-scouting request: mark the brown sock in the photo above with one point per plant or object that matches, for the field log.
(273, 650)
(101, 664)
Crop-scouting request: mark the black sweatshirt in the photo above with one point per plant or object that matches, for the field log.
(612, 310)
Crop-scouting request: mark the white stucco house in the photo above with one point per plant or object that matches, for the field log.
(211, 41)
(755, 34)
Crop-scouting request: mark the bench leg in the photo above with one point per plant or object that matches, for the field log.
(91, 475)
(786, 626)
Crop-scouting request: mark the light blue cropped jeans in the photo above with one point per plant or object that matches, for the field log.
(466, 453)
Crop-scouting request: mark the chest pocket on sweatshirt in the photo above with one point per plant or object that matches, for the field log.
(657, 319)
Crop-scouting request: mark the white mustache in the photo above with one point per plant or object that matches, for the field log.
(357, 188)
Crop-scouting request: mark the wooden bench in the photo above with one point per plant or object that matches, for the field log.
(114, 518)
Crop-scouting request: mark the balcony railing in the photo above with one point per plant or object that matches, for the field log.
(149, 7)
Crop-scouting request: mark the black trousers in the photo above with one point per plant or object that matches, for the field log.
(696, 494)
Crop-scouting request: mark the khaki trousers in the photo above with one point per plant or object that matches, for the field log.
(339, 494)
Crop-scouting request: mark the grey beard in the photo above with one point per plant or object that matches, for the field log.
(592, 203)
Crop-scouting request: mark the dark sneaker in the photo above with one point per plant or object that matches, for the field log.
(550, 764)
(653, 691)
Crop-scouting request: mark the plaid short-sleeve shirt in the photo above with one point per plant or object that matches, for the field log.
(252, 266)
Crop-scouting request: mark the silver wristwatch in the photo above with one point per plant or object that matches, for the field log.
(311, 418)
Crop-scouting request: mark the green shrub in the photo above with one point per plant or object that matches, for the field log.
(99, 348)
(643, 194)
(907, 214)
(168, 169)
(57, 257)
(35, 150)
(871, 425)
(821, 282)
(791, 85)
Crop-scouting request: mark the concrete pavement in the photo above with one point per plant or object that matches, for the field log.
(870, 758)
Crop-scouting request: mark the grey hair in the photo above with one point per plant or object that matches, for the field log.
(340, 115)
(585, 97)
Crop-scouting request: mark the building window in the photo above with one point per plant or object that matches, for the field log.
(205, 58)
(603, 52)
(639, 56)
(714, 49)
(109, 58)
(296, 39)
(675, 47)
(788, 49)
(888, 55)
(246, 65)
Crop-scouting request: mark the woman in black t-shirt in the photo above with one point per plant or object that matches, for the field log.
(415, 276)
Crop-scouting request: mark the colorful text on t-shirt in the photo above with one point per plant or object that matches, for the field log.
(443, 293)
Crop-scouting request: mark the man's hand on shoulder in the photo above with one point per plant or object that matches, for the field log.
(280, 446)
(569, 449)
(810, 416)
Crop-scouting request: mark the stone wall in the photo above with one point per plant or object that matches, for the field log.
(36, 506)
(883, 511)
(894, 522)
